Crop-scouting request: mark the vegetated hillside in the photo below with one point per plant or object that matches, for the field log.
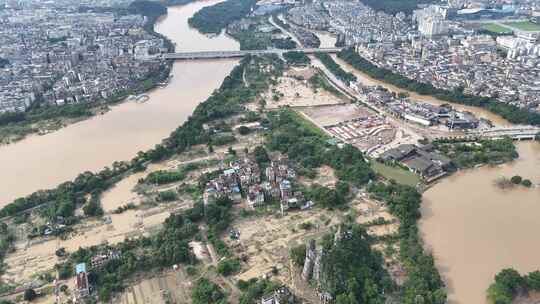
(394, 6)
(150, 9)
(213, 19)
(176, 2)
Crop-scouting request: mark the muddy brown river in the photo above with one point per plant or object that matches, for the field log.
(476, 229)
(473, 228)
(42, 162)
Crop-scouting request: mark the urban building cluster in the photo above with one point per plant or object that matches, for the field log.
(244, 179)
(469, 62)
(431, 21)
(60, 53)
(353, 21)
(423, 161)
(417, 112)
(436, 45)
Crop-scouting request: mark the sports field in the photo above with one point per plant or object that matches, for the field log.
(495, 28)
(525, 26)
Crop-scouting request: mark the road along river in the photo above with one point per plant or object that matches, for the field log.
(473, 228)
(42, 162)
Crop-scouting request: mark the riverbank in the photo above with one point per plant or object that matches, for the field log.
(461, 254)
(511, 113)
(218, 106)
(42, 119)
(43, 162)
(475, 235)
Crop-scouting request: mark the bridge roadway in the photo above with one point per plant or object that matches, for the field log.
(237, 54)
(518, 132)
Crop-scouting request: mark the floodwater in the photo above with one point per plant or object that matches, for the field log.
(42, 162)
(327, 40)
(475, 229)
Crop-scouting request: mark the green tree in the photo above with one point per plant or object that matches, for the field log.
(261, 156)
(205, 292)
(297, 254)
(93, 208)
(527, 183)
(29, 294)
(243, 130)
(533, 280)
(516, 179)
(227, 267)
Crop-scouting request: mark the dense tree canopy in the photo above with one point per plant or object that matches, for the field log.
(335, 68)
(394, 6)
(206, 291)
(509, 283)
(352, 271)
(147, 8)
(3, 63)
(306, 145)
(423, 283)
(213, 19)
(296, 58)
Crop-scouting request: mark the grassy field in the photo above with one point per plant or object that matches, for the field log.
(308, 124)
(398, 174)
(525, 26)
(495, 28)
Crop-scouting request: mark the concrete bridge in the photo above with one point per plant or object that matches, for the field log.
(238, 54)
(517, 133)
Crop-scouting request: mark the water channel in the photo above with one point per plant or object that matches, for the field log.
(42, 162)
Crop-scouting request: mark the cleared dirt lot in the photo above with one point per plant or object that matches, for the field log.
(331, 115)
(293, 89)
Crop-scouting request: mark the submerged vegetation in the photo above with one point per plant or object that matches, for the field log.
(467, 154)
(509, 284)
(424, 283)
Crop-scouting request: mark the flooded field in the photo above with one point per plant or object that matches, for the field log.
(294, 89)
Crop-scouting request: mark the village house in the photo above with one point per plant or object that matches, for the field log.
(243, 178)
(99, 260)
(81, 283)
(282, 295)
